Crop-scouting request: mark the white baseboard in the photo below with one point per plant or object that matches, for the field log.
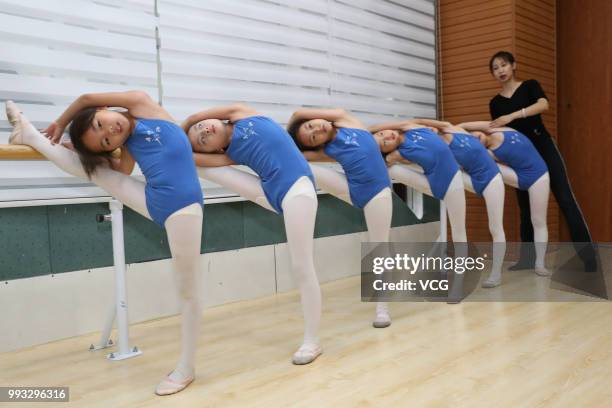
(46, 308)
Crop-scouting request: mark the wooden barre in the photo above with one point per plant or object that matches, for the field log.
(19, 152)
(24, 152)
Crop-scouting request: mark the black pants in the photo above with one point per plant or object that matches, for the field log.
(560, 187)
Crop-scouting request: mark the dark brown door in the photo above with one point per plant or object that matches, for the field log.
(584, 52)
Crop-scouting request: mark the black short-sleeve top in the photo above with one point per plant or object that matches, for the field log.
(525, 95)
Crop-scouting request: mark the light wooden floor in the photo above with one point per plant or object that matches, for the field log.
(475, 354)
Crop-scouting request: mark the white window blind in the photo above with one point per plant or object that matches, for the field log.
(375, 58)
(383, 58)
(53, 51)
(272, 56)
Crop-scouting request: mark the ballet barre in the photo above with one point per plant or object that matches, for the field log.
(19, 152)
(119, 310)
(414, 199)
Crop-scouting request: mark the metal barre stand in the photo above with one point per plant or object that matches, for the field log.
(120, 308)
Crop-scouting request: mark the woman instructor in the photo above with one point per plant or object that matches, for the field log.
(519, 105)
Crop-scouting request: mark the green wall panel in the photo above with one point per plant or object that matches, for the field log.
(402, 214)
(42, 240)
(76, 240)
(431, 207)
(261, 226)
(24, 242)
(223, 227)
(335, 217)
(144, 239)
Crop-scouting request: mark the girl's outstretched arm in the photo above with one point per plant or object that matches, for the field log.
(332, 114)
(212, 160)
(482, 125)
(443, 126)
(398, 125)
(317, 156)
(232, 113)
(339, 117)
(439, 124)
(138, 103)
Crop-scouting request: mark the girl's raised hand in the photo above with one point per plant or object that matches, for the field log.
(390, 160)
(53, 132)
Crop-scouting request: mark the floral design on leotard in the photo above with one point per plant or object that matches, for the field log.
(153, 135)
(514, 138)
(246, 131)
(351, 139)
(416, 136)
(463, 140)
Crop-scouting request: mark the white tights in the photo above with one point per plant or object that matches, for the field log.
(378, 211)
(538, 204)
(494, 195)
(299, 213)
(454, 198)
(183, 227)
(184, 230)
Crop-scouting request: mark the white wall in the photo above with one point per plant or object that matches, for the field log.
(374, 58)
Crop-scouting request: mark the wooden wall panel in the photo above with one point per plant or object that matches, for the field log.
(585, 104)
(470, 32)
(535, 52)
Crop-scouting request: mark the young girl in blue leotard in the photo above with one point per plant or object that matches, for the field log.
(171, 194)
(333, 134)
(285, 185)
(413, 141)
(481, 176)
(525, 170)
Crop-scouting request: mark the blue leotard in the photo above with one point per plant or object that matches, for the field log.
(520, 154)
(163, 152)
(425, 148)
(264, 146)
(360, 158)
(475, 160)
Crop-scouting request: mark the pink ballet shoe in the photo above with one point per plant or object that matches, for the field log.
(382, 319)
(542, 272)
(13, 115)
(168, 386)
(492, 282)
(306, 354)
